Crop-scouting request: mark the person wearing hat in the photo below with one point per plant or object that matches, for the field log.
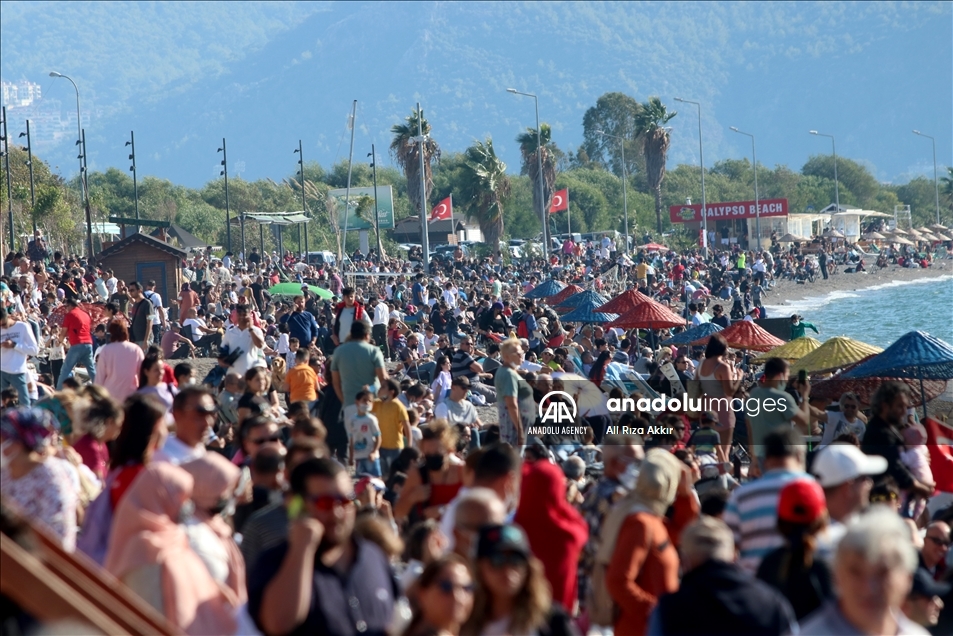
(512, 596)
(873, 574)
(925, 600)
(642, 364)
(799, 327)
(844, 473)
(793, 570)
(547, 357)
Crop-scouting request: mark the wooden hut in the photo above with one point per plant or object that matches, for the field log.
(142, 258)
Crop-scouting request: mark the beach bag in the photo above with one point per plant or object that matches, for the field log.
(93, 539)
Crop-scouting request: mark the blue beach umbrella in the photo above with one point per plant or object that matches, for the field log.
(695, 333)
(586, 313)
(545, 289)
(915, 355)
(581, 298)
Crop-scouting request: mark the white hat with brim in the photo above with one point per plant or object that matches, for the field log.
(839, 463)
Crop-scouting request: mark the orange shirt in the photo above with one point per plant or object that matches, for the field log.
(302, 384)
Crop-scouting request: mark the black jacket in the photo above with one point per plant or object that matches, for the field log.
(881, 438)
(724, 599)
(807, 589)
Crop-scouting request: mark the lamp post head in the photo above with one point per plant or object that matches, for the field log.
(23, 134)
(511, 90)
(735, 129)
(55, 74)
(128, 143)
(813, 132)
(295, 152)
(917, 132)
(219, 150)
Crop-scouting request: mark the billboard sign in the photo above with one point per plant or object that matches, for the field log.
(385, 207)
(728, 211)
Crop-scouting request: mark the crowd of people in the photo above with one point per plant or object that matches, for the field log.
(371, 463)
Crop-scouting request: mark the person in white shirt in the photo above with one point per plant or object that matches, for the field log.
(249, 339)
(194, 411)
(111, 283)
(158, 316)
(18, 344)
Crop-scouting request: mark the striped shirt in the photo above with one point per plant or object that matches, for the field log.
(752, 515)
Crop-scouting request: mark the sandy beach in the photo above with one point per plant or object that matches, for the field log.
(789, 291)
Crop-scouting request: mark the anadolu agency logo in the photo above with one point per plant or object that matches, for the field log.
(557, 415)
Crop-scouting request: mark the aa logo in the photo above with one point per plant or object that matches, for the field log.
(558, 412)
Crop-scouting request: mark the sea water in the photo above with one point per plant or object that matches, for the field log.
(879, 315)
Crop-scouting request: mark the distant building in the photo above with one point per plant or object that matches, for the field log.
(20, 94)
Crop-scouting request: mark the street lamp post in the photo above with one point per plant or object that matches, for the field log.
(132, 169)
(29, 162)
(936, 181)
(701, 160)
(757, 201)
(625, 201)
(82, 176)
(834, 152)
(6, 157)
(539, 167)
(79, 140)
(228, 220)
(377, 218)
(420, 140)
(304, 203)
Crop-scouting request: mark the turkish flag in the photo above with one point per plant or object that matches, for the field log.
(939, 439)
(560, 201)
(443, 211)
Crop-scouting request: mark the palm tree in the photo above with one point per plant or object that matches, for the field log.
(483, 187)
(650, 124)
(406, 154)
(528, 148)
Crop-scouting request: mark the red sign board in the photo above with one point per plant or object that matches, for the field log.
(728, 211)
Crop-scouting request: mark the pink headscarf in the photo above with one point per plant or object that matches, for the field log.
(215, 480)
(146, 532)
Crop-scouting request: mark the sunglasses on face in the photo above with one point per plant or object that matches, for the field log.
(944, 543)
(327, 503)
(503, 559)
(265, 440)
(449, 587)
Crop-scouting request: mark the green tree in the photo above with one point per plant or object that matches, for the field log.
(407, 155)
(529, 147)
(947, 189)
(650, 125)
(614, 114)
(850, 174)
(484, 186)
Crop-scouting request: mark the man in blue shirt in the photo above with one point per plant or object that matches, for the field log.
(301, 324)
(419, 292)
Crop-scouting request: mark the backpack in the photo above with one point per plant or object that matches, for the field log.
(522, 331)
(93, 539)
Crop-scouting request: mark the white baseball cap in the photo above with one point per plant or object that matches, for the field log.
(839, 463)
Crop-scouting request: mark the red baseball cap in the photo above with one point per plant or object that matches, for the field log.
(801, 501)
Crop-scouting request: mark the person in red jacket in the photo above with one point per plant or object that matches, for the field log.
(556, 531)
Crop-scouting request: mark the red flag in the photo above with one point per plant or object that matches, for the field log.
(443, 211)
(560, 201)
(939, 439)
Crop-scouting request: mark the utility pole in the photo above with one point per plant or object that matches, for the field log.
(29, 162)
(89, 213)
(347, 190)
(304, 203)
(228, 220)
(377, 219)
(132, 169)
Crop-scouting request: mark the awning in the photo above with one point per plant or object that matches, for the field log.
(272, 218)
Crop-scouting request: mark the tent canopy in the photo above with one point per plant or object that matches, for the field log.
(272, 218)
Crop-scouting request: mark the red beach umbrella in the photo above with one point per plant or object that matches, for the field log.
(648, 315)
(745, 334)
(570, 290)
(624, 302)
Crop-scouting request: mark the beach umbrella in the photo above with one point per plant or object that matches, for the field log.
(833, 233)
(874, 236)
(546, 289)
(96, 311)
(836, 353)
(689, 335)
(791, 238)
(745, 334)
(294, 289)
(650, 315)
(587, 312)
(583, 297)
(566, 292)
(625, 302)
(937, 226)
(653, 247)
(915, 355)
(865, 388)
(791, 351)
(900, 240)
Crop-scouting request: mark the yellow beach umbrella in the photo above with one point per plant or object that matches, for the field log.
(791, 351)
(836, 353)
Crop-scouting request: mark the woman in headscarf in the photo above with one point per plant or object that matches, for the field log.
(638, 545)
(38, 484)
(99, 421)
(556, 530)
(210, 536)
(149, 551)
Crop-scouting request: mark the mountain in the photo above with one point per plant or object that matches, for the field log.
(263, 75)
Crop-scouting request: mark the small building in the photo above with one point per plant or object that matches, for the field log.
(180, 237)
(142, 258)
(408, 231)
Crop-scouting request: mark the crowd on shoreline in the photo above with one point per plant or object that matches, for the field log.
(331, 473)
